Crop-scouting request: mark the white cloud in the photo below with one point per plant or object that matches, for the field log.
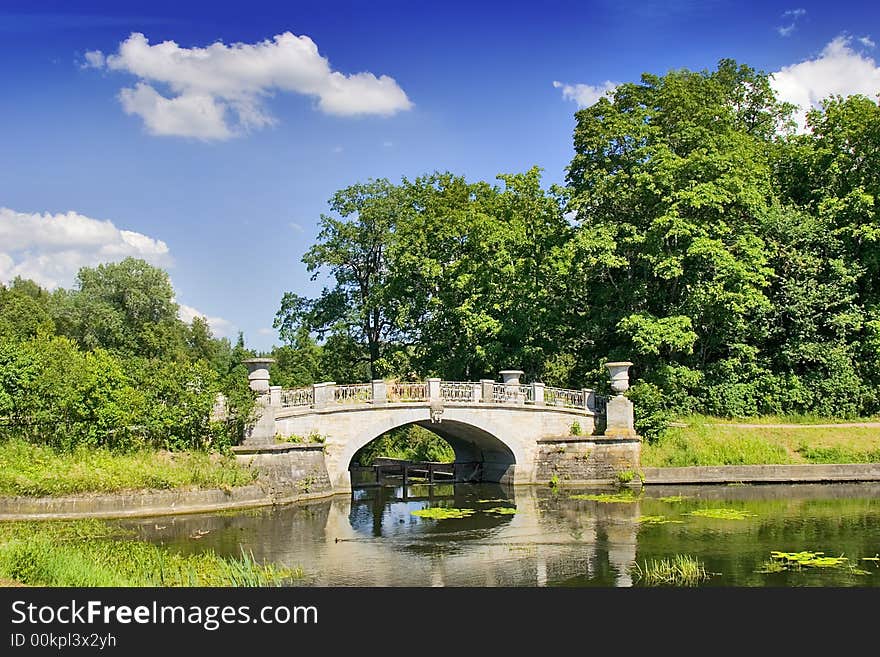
(585, 94)
(94, 59)
(213, 86)
(837, 70)
(793, 15)
(188, 115)
(51, 248)
(221, 328)
(867, 41)
(266, 331)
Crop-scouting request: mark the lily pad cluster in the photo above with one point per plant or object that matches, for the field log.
(722, 514)
(784, 561)
(625, 497)
(441, 513)
(658, 520)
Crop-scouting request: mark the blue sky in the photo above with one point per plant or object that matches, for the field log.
(216, 161)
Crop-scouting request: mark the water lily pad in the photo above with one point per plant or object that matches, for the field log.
(625, 497)
(783, 561)
(501, 510)
(440, 513)
(722, 514)
(658, 520)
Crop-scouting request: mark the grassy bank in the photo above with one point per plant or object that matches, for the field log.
(27, 469)
(712, 441)
(95, 553)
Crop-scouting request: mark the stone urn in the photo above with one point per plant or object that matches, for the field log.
(619, 376)
(258, 373)
(511, 377)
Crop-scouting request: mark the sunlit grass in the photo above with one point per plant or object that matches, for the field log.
(680, 570)
(27, 469)
(715, 441)
(93, 553)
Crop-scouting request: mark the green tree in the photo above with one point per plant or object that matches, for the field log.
(354, 249)
(127, 307)
(671, 182)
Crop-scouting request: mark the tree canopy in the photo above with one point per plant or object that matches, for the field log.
(732, 259)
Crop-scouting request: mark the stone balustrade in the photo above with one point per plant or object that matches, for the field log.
(486, 392)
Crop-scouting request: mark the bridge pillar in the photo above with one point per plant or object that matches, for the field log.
(538, 393)
(487, 386)
(434, 389)
(323, 394)
(275, 396)
(619, 420)
(511, 386)
(380, 392)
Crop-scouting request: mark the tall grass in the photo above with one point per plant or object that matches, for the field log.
(28, 469)
(680, 570)
(709, 441)
(95, 555)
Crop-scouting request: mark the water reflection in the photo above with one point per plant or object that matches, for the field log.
(371, 538)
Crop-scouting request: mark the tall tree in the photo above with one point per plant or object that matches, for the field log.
(353, 248)
(671, 182)
(127, 307)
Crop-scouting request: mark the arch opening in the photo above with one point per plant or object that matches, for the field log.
(476, 455)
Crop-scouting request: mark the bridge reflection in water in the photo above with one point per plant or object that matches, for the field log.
(371, 538)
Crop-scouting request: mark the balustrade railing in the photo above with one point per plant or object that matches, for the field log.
(293, 397)
(457, 391)
(449, 391)
(564, 397)
(354, 393)
(405, 391)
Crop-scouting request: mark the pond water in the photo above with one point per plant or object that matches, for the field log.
(554, 537)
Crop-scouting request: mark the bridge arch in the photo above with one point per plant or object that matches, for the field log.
(469, 441)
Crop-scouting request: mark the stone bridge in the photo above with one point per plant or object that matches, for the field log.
(518, 433)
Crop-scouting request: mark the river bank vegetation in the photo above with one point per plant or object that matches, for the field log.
(710, 441)
(29, 469)
(95, 553)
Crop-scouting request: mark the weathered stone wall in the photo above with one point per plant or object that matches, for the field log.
(592, 459)
(287, 469)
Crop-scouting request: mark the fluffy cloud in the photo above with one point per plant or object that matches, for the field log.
(585, 94)
(837, 70)
(51, 248)
(221, 328)
(218, 91)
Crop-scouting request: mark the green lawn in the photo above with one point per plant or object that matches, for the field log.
(27, 469)
(714, 441)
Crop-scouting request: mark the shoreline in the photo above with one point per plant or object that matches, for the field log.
(148, 503)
